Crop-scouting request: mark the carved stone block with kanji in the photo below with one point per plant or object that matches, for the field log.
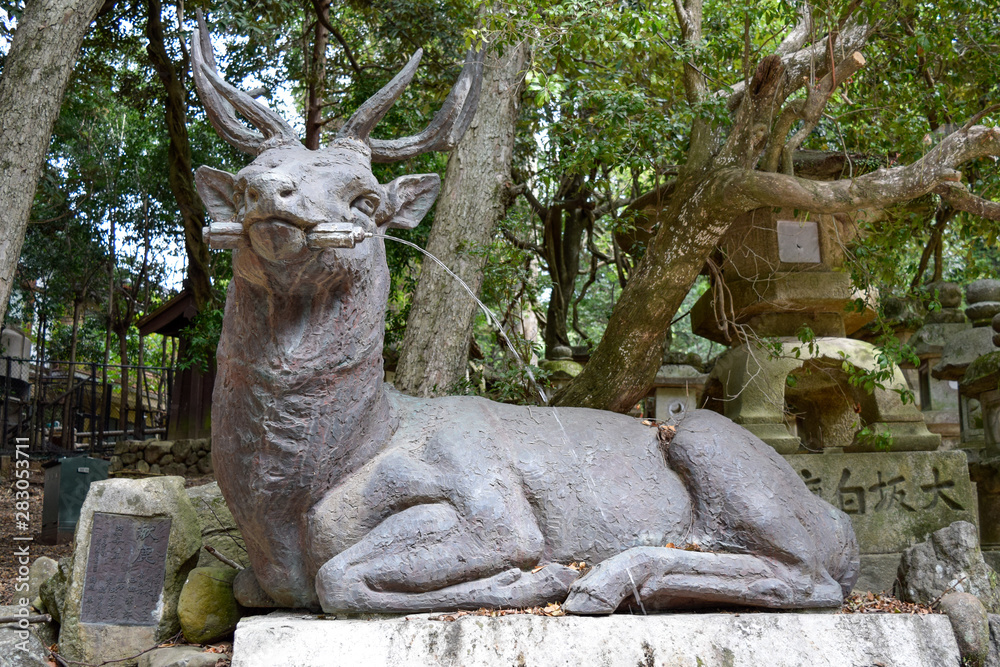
(894, 499)
(136, 541)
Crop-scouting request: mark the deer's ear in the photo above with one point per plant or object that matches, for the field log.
(409, 198)
(216, 190)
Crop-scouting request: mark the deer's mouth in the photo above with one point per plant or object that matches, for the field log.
(278, 241)
(281, 241)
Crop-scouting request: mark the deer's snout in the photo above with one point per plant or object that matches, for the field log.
(273, 215)
(273, 195)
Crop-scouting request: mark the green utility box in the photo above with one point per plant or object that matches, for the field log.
(66, 484)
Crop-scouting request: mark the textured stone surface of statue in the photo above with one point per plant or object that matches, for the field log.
(354, 498)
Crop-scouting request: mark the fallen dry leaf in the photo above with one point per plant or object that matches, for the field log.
(553, 609)
(881, 603)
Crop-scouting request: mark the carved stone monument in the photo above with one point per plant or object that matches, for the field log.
(354, 498)
(136, 541)
(892, 498)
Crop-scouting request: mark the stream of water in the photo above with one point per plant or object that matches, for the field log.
(490, 316)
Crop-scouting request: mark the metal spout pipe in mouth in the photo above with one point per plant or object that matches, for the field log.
(229, 235)
(335, 235)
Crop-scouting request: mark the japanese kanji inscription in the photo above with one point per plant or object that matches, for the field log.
(125, 569)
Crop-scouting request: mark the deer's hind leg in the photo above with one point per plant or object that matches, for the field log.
(654, 578)
(765, 539)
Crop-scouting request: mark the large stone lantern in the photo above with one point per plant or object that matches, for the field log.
(783, 272)
(961, 349)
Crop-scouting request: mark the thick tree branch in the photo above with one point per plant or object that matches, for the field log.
(689, 15)
(812, 58)
(750, 127)
(809, 110)
(979, 116)
(961, 199)
(318, 6)
(880, 188)
(799, 35)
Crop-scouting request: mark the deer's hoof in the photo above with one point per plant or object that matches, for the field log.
(581, 601)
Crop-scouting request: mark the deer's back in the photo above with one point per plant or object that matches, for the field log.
(597, 481)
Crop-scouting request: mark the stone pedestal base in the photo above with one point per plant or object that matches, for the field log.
(736, 640)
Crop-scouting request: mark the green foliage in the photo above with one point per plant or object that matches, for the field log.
(606, 118)
(202, 336)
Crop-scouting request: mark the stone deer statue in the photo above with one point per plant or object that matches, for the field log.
(355, 498)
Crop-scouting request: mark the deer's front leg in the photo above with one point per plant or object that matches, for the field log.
(443, 525)
(429, 558)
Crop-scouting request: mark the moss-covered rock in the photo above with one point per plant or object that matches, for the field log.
(53, 590)
(207, 608)
(218, 527)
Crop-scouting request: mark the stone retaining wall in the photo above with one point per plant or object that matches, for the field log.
(188, 458)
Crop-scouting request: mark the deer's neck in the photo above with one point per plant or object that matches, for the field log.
(305, 361)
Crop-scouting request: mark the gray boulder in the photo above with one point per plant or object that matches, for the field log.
(993, 656)
(950, 560)
(41, 570)
(970, 623)
(47, 633)
(21, 648)
(53, 590)
(218, 528)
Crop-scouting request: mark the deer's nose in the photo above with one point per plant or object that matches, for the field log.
(270, 191)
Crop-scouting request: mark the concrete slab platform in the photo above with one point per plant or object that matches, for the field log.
(674, 640)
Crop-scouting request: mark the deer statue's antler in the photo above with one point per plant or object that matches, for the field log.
(222, 100)
(444, 131)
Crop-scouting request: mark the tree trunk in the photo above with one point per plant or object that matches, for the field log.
(123, 405)
(473, 199)
(623, 365)
(564, 237)
(180, 175)
(316, 78)
(36, 72)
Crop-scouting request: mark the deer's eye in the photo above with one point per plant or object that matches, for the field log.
(366, 203)
(239, 192)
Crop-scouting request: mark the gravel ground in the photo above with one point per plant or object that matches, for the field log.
(8, 529)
